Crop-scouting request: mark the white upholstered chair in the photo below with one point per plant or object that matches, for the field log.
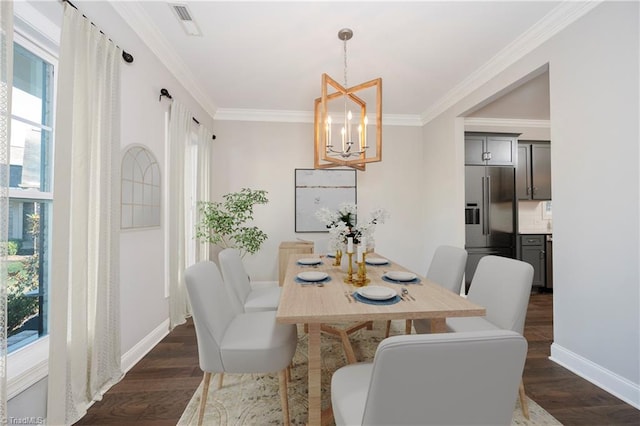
(433, 379)
(503, 287)
(446, 269)
(237, 280)
(321, 246)
(232, 341)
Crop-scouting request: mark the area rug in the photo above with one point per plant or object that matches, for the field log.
(250, 399)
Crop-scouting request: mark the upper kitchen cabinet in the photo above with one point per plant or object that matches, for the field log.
(490, 149)
(533, 171)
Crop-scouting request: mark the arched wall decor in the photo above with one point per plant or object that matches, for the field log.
(140, 189)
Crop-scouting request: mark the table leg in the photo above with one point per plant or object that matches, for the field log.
(314, 395)
(438, 325)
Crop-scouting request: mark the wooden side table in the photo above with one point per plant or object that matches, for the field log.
(290, 247)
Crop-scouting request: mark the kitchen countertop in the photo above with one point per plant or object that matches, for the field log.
(535, 233)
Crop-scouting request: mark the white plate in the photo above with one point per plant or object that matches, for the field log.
(377, 292)
(310, 261)
(401, 276)
(376, 260)
(312, 276)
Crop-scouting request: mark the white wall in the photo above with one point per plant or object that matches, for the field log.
(264, 155)
(594, 105)
(593, 66)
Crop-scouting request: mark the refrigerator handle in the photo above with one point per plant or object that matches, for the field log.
(484, 207)
(488, 213)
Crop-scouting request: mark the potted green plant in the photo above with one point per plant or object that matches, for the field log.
(224, 223)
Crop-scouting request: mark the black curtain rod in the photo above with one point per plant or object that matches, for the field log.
(164, 92)
(128, 58)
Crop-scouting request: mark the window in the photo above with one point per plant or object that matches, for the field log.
(30, 194)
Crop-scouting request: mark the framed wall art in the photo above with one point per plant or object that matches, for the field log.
(317, 188)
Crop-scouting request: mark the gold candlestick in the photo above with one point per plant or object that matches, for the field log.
(349, 278)
(338, 258)
(362, 279)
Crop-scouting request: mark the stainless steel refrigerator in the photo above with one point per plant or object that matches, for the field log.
(490, 214)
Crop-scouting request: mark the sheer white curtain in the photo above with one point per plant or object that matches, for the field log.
(180, 123)
(203, 185)
(188, 173)
(6, 74)
(84, 358)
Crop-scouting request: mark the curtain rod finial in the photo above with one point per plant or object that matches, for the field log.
(164, 92)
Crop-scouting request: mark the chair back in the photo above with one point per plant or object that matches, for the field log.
(211, 312)
(321, 246)
(235, 277)
(503, 287)
(466, 378)
(447, 267)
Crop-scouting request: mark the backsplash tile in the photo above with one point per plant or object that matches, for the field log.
(532, 218)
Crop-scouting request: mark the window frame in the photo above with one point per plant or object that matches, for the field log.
(29, 364)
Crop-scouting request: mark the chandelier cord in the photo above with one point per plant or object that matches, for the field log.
(344, 40)
(345, 62)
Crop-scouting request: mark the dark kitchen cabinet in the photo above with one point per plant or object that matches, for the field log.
(533, 171)
(490, 149)
(532, 251)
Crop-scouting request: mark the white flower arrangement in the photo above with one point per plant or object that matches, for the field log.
(342, 224)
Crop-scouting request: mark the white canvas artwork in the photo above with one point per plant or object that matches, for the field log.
(321, 188)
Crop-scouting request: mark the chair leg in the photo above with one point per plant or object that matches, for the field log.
(386, 334)
(284, 396)
(220, 378)
(407, 326)
(524, 405)
(203, 398)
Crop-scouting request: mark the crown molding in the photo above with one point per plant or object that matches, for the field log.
(277, 116)
(559, 18)
(407, 120)
(507, 122)
(135, 16)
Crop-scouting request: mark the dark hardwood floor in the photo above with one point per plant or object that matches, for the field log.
(157, 390)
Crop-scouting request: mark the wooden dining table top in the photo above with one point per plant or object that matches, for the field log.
(330, 303)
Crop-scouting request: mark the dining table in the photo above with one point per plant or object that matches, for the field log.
(332, 301)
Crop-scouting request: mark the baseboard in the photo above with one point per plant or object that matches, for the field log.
(611, 382)
(136, 353)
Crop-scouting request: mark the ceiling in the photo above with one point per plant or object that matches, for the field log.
(269, 56)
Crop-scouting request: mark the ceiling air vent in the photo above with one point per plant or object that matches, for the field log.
(184, 16)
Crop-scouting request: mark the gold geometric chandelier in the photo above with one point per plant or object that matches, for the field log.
(343, 134)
